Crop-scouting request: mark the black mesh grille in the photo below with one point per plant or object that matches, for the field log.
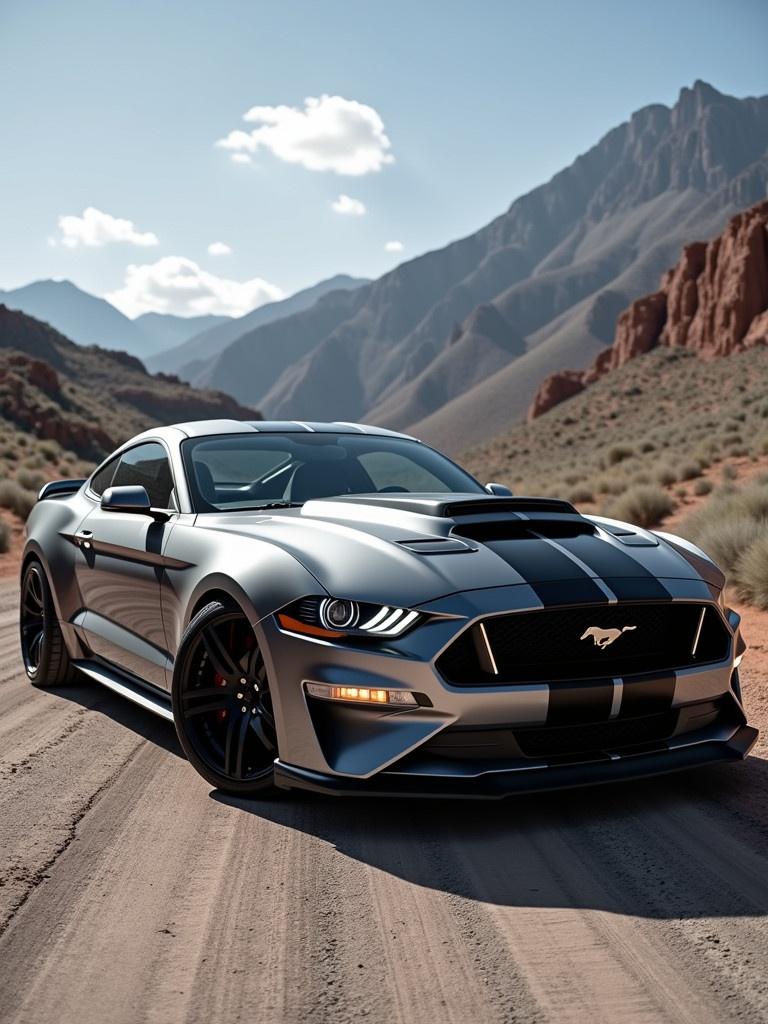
(596, 738)
(565, 643)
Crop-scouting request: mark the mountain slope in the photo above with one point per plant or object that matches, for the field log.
(89, 320)
(165, 331)
(605, 226)
(89, 399)
(189, 360)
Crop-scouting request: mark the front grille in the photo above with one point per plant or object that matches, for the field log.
(621, 734)
(560, 643)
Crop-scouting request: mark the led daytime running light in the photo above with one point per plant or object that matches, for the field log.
(360, 694)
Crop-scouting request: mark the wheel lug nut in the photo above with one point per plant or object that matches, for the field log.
(244, 708)
(242, 681)
(239, 696)
(253, 711)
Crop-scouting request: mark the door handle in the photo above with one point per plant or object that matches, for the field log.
(84, 537)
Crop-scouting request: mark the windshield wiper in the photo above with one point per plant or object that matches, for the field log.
(269, 504)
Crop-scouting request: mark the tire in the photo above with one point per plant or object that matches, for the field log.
(45, 656)
(222, 706)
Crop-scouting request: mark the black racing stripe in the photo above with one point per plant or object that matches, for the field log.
(647, 695)
(629, 588)
(571, 703)
(583, 591)
(541, 563)
(606, 559)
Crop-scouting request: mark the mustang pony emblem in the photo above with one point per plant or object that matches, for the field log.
(604, 637)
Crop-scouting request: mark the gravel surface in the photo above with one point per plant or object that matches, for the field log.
(129, 891)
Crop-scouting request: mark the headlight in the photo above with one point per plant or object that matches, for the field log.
(337, 617)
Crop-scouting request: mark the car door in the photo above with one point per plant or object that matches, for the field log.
(119, 568)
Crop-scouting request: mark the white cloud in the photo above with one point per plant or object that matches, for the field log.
(394, 246)
(178, 285)
(240, 158)
(348, 205)
(96, 228)
(219, 249)
(329, 134)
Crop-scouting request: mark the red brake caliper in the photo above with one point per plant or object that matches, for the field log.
(220, 681)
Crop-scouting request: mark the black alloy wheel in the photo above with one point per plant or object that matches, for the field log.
(222, 705)
(46, 660)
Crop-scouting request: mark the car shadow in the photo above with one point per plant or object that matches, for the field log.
(659, 848)
(101, 700)
(684, 846)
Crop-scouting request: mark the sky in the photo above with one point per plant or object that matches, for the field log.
(196, 157)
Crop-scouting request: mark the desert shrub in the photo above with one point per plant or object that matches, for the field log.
(751, 572)
(35, 461)
(16, 498)
(647, 446)
(703, 486)
(689, 471)
(582, 493)
(643, 505)
(30, 479)
(50, 450)
(5, 537)
(618, 453)
(666, 476)
(729, 472)
(680, 492)
(732, 522)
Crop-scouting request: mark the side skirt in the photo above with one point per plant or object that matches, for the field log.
(142, 694)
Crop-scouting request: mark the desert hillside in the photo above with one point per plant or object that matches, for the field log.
(64, 406)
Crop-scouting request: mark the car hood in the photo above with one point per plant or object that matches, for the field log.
(412, 549)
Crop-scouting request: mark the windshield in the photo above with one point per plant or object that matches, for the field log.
(237, 471)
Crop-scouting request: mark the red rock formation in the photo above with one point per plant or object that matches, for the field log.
(714, 301)
(555, 389)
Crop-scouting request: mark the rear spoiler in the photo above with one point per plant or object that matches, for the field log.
(58, 488)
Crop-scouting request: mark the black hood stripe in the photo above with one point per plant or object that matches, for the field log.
(577, 561)
(550, 571)
(605, 558)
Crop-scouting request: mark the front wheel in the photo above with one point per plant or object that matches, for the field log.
(222, 705)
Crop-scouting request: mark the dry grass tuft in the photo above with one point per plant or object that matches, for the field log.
(644, 506)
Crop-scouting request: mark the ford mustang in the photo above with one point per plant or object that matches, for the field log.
(340, 608)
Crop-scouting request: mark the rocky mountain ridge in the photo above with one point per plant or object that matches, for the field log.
(89, 399)
(714, 301)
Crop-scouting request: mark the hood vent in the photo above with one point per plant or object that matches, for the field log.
(479, 506)
(513, 529)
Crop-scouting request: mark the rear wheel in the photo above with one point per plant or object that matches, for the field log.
(222, 705)
(46, 660)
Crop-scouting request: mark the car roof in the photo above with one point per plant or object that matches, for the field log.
(205, 428)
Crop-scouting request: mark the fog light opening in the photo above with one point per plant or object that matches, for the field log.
(360, 694)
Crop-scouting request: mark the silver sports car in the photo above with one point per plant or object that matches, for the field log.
(335, 607)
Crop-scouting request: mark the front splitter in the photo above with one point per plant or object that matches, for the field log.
(499, 783)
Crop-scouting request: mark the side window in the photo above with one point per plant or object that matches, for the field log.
(100, 481)
(147, 466)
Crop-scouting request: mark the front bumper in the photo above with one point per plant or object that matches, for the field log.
(339, 748)
(495, 784)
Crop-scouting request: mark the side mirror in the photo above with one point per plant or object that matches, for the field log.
(126, 499)
(500, 490)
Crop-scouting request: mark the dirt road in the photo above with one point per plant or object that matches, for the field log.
(131, 892)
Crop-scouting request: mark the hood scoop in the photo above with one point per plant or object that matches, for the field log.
(458, 506)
